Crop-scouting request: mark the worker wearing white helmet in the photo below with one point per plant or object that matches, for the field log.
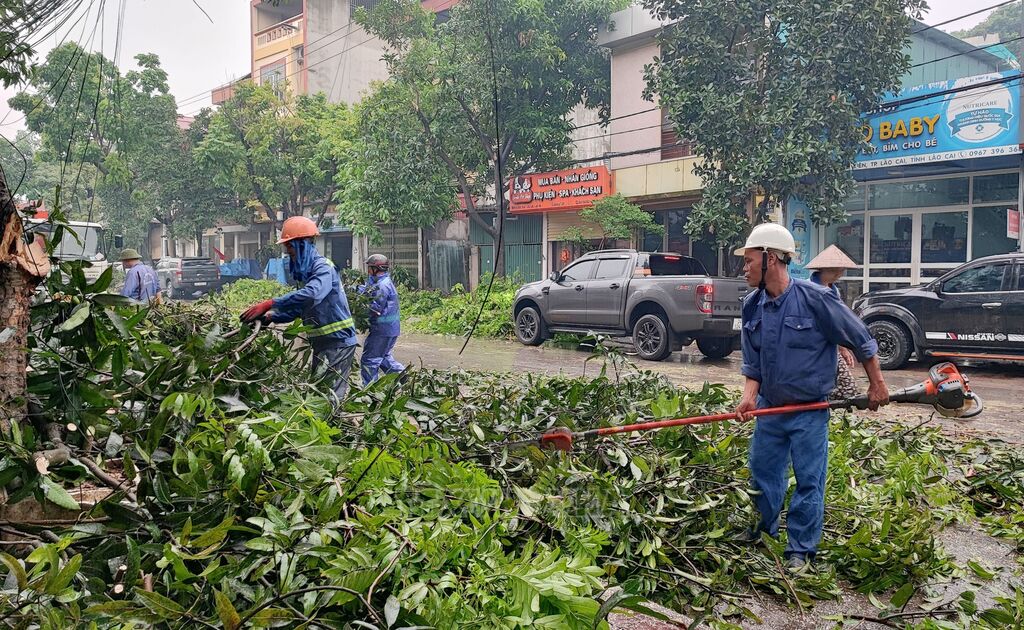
(791, 329)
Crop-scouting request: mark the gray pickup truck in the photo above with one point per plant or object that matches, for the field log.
(663, 301)
(188, 277)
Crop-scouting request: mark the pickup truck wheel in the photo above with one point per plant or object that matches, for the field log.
(894, 344)
(529, 327)
(651, 338)
(715, 347)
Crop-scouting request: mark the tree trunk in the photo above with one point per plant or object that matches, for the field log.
(21, 268)
(15, 293)
(500, 240)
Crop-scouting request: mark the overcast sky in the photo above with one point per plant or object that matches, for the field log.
(199, 54)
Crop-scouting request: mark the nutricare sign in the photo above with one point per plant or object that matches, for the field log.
(959, 122)
(571, 189)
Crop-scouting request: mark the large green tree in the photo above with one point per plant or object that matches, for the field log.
(17, 159)
(275, 151)
(107, 137)
(444, 116)
(190, 200)
(771, 93)
(617, 218)
(384, 174)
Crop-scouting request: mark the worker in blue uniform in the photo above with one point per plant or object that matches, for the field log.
(384, 321)
(321, 302)
(791, 329)
(140, 282)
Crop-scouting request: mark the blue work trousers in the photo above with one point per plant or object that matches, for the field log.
(377, 357)
(800, 438)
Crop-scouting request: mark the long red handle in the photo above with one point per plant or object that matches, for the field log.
(661, 424)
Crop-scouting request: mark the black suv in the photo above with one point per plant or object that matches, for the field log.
(975, 311)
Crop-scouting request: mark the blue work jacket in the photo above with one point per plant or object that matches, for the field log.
(384, 313)
(789, 342)
(322, 305)
(816, 279)
(141, 283)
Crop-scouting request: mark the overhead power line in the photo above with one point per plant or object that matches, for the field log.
(960, 17)
(967, 52)
(897, 103)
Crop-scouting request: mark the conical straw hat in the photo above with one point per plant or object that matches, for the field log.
(831, 258)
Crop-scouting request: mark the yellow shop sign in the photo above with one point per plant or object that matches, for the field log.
(903, 128)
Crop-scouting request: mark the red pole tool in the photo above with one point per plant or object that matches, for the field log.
(945, 389)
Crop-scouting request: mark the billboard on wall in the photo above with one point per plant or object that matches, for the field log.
(798, 222)
(959, 122)
(570, 189)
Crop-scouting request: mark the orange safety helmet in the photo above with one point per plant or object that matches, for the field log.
(297, 227)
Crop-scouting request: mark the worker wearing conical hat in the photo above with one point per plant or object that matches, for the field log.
(829, 266)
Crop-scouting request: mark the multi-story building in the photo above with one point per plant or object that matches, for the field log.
(316, 46)
(923, 205)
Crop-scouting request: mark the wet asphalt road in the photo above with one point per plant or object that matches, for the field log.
(1001, 386)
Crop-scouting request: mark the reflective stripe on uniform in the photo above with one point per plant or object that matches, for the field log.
(331, 328)
(386, 319)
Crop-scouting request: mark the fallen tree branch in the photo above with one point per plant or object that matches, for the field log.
(890, 620)
(789, 584)
(107, 479)
(51, 457)
(386, 525)
(387, 569)
(242, 346)
(313, 589)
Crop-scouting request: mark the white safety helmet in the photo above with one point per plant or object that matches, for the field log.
(769, 236)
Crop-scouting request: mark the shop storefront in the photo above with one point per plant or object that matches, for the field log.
(940, 185)
(910, 231)
(556, 199)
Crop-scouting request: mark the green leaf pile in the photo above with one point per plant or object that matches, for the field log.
(243, 500)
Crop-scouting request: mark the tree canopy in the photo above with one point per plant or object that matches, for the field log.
(1004, 22)
(772, 94)
(113, 144)
(496, 82)
(619, 219)
(276, 152)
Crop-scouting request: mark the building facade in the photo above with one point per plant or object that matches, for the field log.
(316, 46)
(939, 186)
(952, 197)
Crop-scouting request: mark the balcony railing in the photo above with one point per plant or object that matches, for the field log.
(282, 30)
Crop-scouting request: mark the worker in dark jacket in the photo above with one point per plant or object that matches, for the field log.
(321, 303)
(384, 321)
(791, 329)
(140, 281)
